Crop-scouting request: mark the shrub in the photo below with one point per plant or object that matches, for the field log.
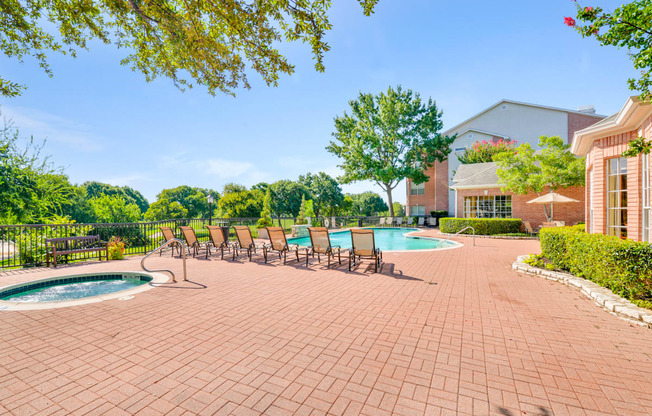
(439, 214)
(482, 226)
(623, 266)
(482, 152)
(116, 248)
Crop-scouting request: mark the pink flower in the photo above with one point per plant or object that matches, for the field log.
(569, 21)
(588, 9)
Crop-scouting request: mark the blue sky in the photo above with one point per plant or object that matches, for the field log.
(104, 122)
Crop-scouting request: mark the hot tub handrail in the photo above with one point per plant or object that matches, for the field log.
(457, 233)
(161, 247)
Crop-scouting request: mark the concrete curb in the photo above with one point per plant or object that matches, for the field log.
(602, 296)
(495, 237)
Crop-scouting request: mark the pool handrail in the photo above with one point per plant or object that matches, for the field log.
(463, 229)
(161, 247)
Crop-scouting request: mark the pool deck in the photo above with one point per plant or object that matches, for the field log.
(450, 332)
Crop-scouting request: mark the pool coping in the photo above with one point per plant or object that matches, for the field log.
(456, 244)
(157, 279)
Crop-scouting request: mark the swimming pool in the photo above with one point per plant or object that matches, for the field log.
(387, 239)
(75, 289)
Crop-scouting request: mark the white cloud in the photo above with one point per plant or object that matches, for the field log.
(245, 173)
(57, 129)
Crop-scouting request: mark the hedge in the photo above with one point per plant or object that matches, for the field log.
(623, 266)
(482, 226)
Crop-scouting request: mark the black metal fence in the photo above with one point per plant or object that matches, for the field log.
(24, 245)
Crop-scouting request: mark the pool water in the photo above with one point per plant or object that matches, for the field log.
(386, 239)
(69, 289)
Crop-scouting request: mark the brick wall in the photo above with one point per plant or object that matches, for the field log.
(578, 122)
(572, 212)
(597, 159)
(435, 197)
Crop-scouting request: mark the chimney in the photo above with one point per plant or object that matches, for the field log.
(588, 109)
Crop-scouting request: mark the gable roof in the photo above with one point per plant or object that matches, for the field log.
(476, 175)
(629, 118)
(488, 133)
(505, 101)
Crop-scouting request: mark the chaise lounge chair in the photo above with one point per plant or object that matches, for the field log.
(168, 234)
(421, 222)
(399, 221)
(246, 242)
(218, 239)
(321, 244)
(381, 222)
(410, 221)
(192, 242)
(279, 243)
(529, 229)
(364, 246)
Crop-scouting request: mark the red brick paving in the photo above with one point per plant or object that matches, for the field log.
(453, 332)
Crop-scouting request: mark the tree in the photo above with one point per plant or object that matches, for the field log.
(389, 137)
(399, 211)
(31, 189)
(232, 187)
(96, 189)
(629, 26)
(368, 204)
(208, 43)
(325, 191)
(525, 171)
(164, 209)
(114, 209)
(193, 200)
(286, 197)
(242, 204)
(301, 218)
(484, 151)
(265, 219)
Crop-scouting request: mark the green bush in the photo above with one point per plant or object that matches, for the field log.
(482, 226)
(439, 214)
(623, 266)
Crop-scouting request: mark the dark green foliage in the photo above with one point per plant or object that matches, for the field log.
(482, 226)
(241, 204)
(286, 198)
(367, 204)
(325, 192)
(192, 199)
(623, 266)
(96, 189)
(439, 214)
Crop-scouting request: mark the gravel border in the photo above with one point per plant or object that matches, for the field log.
(602, 296)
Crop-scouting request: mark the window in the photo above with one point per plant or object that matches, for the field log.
(499, 206)
(647, 210)
(617, 197)
(419, 189)
(418, 211)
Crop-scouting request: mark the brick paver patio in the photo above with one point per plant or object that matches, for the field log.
(453, 332)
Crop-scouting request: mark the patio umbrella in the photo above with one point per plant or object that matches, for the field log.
(551, 198)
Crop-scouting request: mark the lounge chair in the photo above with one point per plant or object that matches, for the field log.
(548, 225)
(529, 229)
(410, 221)
(246, 242)
(560, 223)
(381, 222)
(364, 246)
(421, 222)
(278, 243)
(168, 234)
(390, 221)
(321, 244)
(432, 222)
(192, 243)
(218, 239)
(399, 221)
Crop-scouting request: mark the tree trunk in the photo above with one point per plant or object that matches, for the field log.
(389, 201)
